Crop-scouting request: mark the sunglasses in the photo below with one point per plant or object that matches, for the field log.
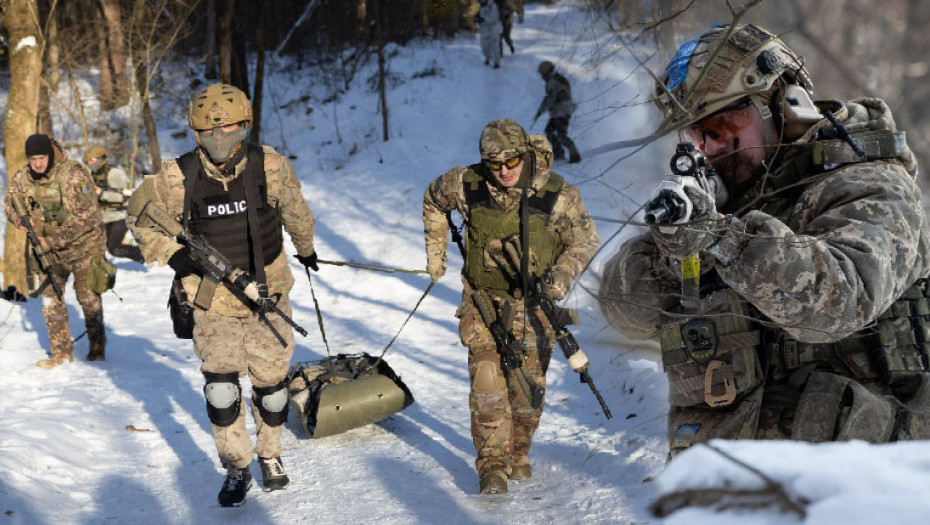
(722, 126)
(511, 163)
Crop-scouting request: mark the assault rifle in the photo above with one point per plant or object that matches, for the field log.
(510, 349)
(670, 204)
(216, 267)
(45, 262)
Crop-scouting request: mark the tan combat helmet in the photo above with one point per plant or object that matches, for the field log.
(545, 67)
(95, 152)
(708, 74)
(219, 105)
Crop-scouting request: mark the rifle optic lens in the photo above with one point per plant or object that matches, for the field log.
(684, 164)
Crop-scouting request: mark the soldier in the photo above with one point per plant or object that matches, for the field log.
(810, 315)
(113, 189)
(489, 17)
(562, 240)
(58, 195)
(558, 102)
(506, 9)
(236, 196)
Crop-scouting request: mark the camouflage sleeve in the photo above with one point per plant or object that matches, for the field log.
(576, 231)
(110, 196)
(295, 212)
(443, 195)
(165, 189)
(855, 242)
(637, 289)
(15, 188)
(80, 201)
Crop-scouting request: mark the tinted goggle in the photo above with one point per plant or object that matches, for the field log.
(722, 126)
(511, 163)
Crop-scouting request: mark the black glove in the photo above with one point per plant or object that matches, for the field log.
(181, 262)
(12, 294)
(309, 261)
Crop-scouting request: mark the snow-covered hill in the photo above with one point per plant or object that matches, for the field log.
(128, 440)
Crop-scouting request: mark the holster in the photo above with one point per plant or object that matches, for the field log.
(182, 313)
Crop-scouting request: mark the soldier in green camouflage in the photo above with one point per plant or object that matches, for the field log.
(515, 167)
(812, 313)
(214, 191)
(58, 194)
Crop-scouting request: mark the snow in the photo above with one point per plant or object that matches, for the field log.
(128, 440)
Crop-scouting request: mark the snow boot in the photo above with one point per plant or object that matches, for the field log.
(237, 484)
(273, 475)
(97, 350)
(55, 360)
(573, 156)
(521, 470)
(493, 483)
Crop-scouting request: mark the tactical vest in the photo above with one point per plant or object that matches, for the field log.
(221, 216)
(49, 198)
(712, 361)
(486, 221)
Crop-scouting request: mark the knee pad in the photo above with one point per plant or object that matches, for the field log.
(488, 379)
(224, 396)
(272, 403)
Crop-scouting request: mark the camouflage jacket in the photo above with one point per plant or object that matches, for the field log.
(558, 100)
(70, 218)
(569, 219)
(820, 250)
(283, 193)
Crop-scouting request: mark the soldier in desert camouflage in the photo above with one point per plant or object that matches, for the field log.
(58, 194)
(208, 191)
(812, 309)
(562, 240)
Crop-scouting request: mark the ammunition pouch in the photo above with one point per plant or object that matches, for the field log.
(102, 275)
(711, 361)
(837, 408)
(900, 340)
(181, 311)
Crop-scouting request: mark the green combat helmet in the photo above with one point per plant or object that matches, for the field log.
(502, 139)
(709, 73)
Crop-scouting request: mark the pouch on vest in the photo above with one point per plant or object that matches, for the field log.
(711, 361)
(329, 404)
(102, 275)
(901, 339)
(182, 313)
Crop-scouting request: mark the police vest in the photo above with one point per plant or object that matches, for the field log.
(486, 221)
(220, 215)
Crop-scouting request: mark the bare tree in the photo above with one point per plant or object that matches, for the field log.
(112, 57)
(259, 72)
(21, 21)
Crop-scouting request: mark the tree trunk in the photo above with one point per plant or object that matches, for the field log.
(259, 72)
(54, 52)
(115, 57)
(381, 87)
(141, 80)
(44, 115)
(21, 22)
(105, 90)
(211, 62)
(225, 40)
(240, 67)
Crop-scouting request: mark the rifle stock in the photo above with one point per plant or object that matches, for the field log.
(45, 262)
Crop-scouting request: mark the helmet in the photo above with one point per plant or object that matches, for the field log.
(545, 67)
(708, 74)
(219, 105)
(95, 152)
(503, 139)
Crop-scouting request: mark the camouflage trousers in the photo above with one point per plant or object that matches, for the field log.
(245, 345)
(56, 312)
(502, 420)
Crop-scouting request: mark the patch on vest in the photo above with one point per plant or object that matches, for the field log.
(84, 189)
(684, 436)
(700, 339)
(585, 221)
(223, 209)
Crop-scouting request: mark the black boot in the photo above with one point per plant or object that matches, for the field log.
(237, 484)
(273, 475)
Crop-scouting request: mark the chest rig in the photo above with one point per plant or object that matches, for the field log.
(47, 199)
(486, 222)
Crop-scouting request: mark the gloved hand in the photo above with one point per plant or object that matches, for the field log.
(309, 261)
(555, 282)
(436, 267)
(181, 262)
(579, 362)
(12, 294)
(693, 233)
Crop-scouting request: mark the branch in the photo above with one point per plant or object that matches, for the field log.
(311, 7)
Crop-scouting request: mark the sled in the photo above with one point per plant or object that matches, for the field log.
(329, 404)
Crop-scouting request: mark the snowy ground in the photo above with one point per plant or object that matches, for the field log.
(67, 451)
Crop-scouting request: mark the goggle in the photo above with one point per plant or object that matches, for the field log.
(722, 126)
(511, 163)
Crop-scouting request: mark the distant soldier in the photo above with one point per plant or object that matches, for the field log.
(491, 28)
(113, 190)
(237, 197)
(558, 102)
(58, 196)
(506, 8)
(514, 168)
